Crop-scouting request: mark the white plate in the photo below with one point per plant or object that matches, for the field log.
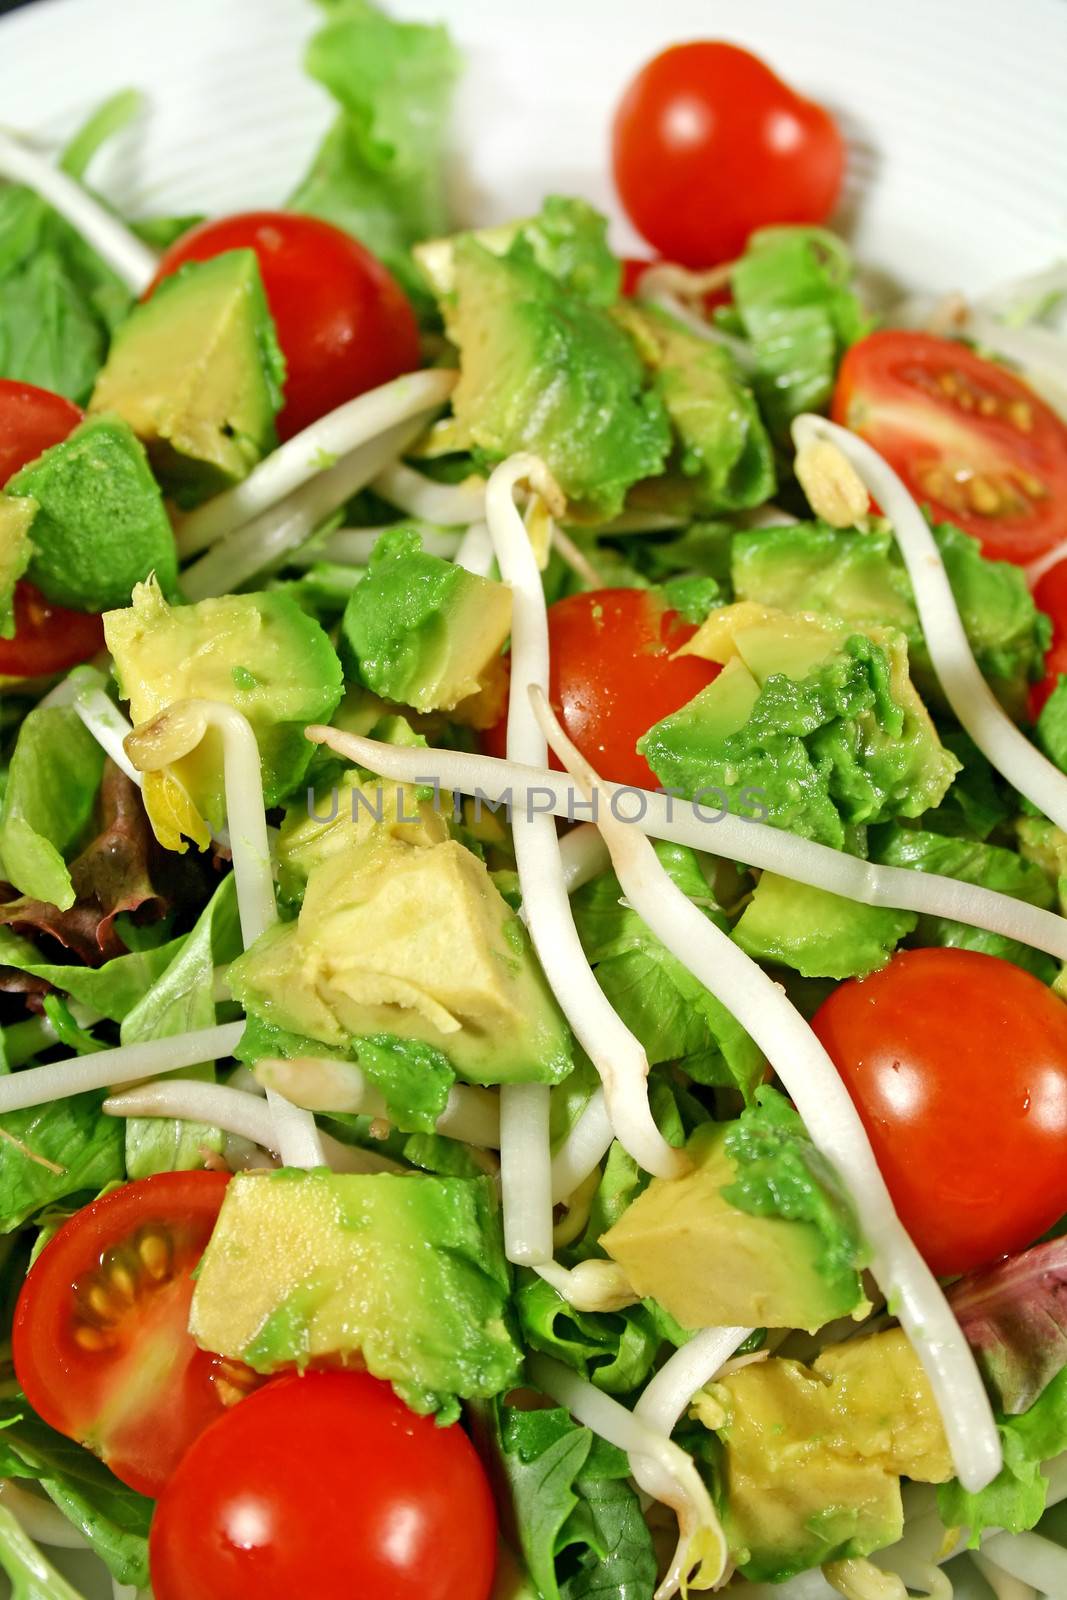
(958, 149)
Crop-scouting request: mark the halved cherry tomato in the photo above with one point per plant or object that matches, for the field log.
(31, 420)
(344, 323)
(612, 676)
(326, 1485)
(100, 1339)
(957, 1063)
(709, 144)
(1050, 596)
(968, 438)
(48, 638)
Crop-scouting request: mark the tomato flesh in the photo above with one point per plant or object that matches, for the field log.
(48, 638)
(100, 1338)
(612, 676)
(326, 1485)
(957, 1063)
(709, 144)
(343, 322)
(969, 438)
(1050, 596)
(31, 421)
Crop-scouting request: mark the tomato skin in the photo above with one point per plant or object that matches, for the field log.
(969, 438)
(31, 421)
(611, 677)
(957, 1063)
(392, 1505)
(343, 322)
(709, 144)
(1050, 596)
(48, 638)
(79, 1368)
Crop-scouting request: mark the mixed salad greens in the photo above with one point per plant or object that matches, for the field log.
(533, 861)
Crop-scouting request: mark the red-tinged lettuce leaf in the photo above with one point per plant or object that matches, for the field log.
(1014, 1316)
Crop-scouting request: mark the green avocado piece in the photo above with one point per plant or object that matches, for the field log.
(568, 239)
(835, 734)
(813, 1457)
(257, 652)
(543, 370)
(404, 1274)
(724, 455)
(420, 630)
(100, 526)
(708, 1263)
(197, 373)
(857, 576)
(16, 517)
(820, 935)
(413, 941)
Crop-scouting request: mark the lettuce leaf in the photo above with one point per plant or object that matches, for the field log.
(52, 783)
(1014, 1315)
(1016, 1498)
(113, 989)
(378, 173)
(579, 1522)
(49, 1152)
(614, 1350)
(670, 1011)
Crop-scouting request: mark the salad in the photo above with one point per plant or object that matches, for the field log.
(533, 861)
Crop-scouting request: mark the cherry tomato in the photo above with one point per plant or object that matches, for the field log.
(31, 421)
(1050, 595)
(100, 1338)
(326, 1485)
(968, 438)
(709, 145)
(957, 1063)
(48, 638)
(612, 677)
(344, 323)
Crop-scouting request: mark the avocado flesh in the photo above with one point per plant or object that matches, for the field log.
(16, 518)
(195, 371)
(813, 1457)
(415, 942)
(820, 935)
(710, 1264)
(403, 1274)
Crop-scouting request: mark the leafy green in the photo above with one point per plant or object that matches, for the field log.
(378, 173)
(52, 783)
(670, 1011)
(1016, 1498)
(792, 297)
(32, 1576)
(116, 113)
(614, 1350)
(543, 370)
(51, 1151)
(723, 458)
(569, 239)
(579, 1522)
(113, 989)
(179, 1002)
(112, 1518)
(1052, 725)
(970, 861)
(858, 577)
(780, 1173)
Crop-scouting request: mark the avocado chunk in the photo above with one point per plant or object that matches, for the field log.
(820, 935)
(197, 373)
(311, 833)
(857, 576)
(15, 552)
(404, 1274)
(416, 942)
(708, 1263)
(813, 1457)
(420, 630)
(100, 526)
(257, 652)
(833, 736)
(543, 370)
(723, 454)
(568, 239)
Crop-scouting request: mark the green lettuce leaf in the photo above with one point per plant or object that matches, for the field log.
(1016, 1498)
(670, 1011)
(378, 173)
(579, 1523)
(113, 989)
(51, 1151)
(614, 1350)
(32, 1576)
(793, 300)
(181, 1001)
(52, 784)
(112, 1518)
(780, 1173)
